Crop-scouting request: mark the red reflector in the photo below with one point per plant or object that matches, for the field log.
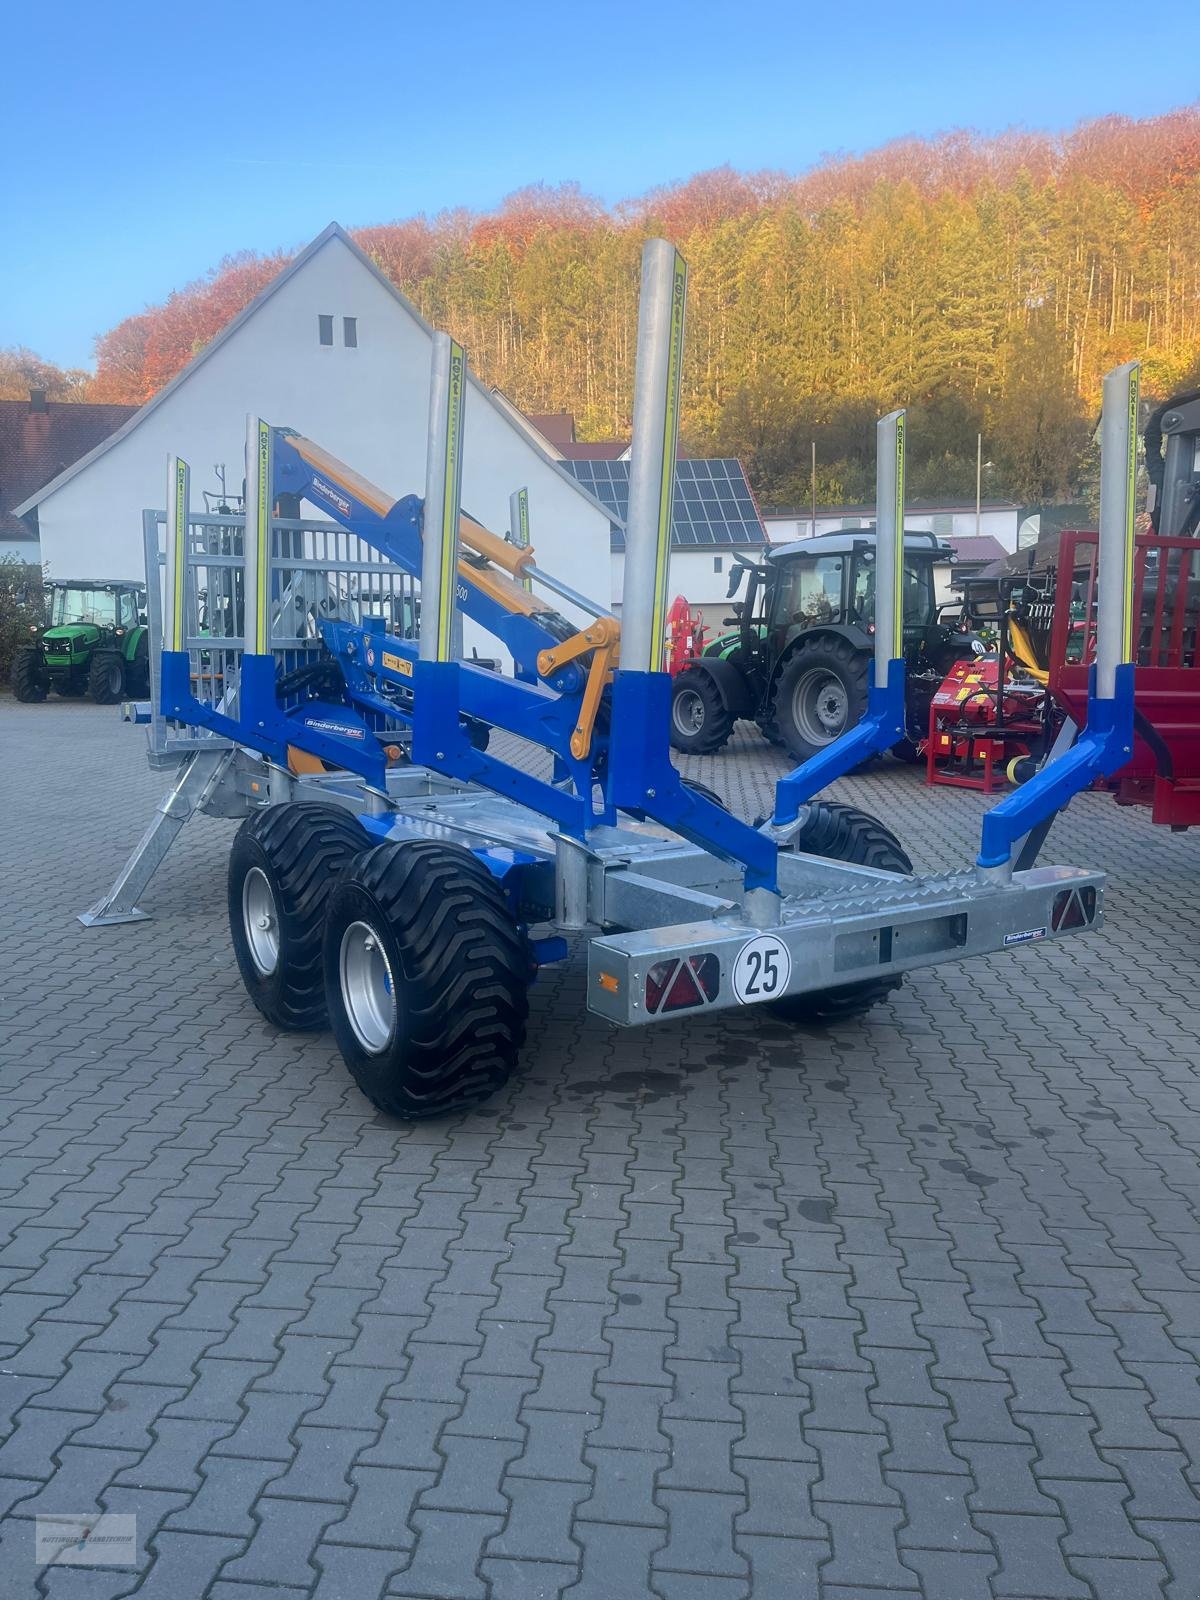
(684, 992)
(677, 985)
(708, 974)
(1073, 908)
(657, 980)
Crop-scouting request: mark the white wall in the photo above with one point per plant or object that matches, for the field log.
(369, 406)
(1000, 522)
(692, 573)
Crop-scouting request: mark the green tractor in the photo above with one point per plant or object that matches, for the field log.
(95, 643)
(799, 662)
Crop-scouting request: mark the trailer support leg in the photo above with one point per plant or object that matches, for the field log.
(198, 778)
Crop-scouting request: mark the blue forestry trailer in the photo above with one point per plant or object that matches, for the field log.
(397, 879)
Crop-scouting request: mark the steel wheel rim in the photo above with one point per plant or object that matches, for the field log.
(260, 920)
(368, 989)
(687, 710)
(820, 705)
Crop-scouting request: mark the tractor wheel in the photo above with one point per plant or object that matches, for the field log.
(821, 691)
(426, 978)
(283, 865)
(106, 677)
(701, 722)
(909, 752)
(137, 673)
(843, 833)
(28, 677)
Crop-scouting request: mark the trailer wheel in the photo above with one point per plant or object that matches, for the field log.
(820, 692)
(28, 678)
(282, 869)
(106, 677)
(426, 978)
(695, 786)
(701, 722)
(844, 833)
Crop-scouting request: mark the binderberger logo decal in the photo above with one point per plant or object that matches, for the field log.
(328, 492)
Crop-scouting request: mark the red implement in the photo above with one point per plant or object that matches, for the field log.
(1165, 771)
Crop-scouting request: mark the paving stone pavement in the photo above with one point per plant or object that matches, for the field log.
(720, 1309)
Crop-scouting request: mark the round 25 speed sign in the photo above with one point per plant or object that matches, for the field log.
(762, 969)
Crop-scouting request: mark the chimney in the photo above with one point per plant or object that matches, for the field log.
(37, 399)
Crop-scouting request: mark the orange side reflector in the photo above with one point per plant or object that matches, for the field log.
(609, 982)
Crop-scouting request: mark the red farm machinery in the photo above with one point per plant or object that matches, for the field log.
(1028, 700)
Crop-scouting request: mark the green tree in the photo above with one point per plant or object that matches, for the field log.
(1037, 425)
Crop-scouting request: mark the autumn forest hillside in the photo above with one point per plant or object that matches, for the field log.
(987, 283)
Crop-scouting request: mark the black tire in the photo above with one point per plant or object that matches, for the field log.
(298, 850)
(843, 833)
(909, 752)
(28, 677)
(819, 693)
(695, 786)
(701, 722)
(137, 673)
(439, 950)
(479, 733)
(106, 677)
(704, 792)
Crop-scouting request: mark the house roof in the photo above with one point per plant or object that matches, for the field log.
(556, 429)
(595, 450)
(713, 505)
(39, 445)
(969, 548)
(333, 231)
(556, 426)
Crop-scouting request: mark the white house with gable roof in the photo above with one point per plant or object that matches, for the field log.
(333, 349)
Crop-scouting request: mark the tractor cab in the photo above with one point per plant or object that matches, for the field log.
(102, 606)
(799, 662)
(829, 581)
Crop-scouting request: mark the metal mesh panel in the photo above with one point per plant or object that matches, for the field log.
(317, 571)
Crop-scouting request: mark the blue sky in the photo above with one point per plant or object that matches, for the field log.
(143, 142)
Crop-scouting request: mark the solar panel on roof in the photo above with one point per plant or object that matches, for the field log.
(712, 506)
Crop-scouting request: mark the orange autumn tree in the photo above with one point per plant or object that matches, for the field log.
(144, 352)
(944, 273)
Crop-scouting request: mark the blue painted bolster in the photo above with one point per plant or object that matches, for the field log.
(640, 777)
(438, 741)
(259, 724)
(883, 726)
(1104, 748)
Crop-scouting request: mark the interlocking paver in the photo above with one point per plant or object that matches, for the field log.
(909, 1304)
